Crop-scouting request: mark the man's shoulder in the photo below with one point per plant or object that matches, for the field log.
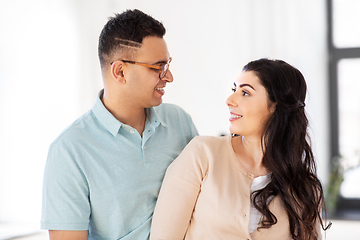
(76, 129)
(176, 118)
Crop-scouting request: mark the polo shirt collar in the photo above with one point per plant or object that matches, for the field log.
(111, 123)
(153, 116)
(104, 116)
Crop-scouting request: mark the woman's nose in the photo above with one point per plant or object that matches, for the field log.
(230, 100)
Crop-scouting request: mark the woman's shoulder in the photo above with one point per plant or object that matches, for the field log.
(204, 151)
(211, 140)
(210, 144)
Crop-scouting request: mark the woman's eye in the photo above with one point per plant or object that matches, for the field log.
(245, 93)
(233, 89)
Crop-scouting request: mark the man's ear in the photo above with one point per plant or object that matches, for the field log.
(117, 71)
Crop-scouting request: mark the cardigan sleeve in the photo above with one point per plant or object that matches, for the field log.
(179, 192)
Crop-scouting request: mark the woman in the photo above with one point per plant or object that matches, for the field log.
(259, 183)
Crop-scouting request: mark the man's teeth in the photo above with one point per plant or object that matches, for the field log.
(235, 116)
(160, 89)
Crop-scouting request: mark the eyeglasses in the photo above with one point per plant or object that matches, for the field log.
(163, 68)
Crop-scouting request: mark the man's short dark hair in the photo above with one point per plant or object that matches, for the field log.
(125, 32)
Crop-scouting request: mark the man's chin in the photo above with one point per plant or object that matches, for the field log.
(156, 103)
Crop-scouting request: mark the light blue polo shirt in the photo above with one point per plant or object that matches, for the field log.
(102, 176)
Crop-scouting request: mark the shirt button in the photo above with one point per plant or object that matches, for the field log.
(132, 131)
(149, 130)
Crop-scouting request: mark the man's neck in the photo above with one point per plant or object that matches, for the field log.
(125, 113)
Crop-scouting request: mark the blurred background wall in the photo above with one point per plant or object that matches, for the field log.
(50, 75)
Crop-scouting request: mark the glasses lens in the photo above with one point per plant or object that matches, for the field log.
(164, 70)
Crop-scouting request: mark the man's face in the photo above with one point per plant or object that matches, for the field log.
(144, 86)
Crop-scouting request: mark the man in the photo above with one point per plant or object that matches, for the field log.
(104, 172)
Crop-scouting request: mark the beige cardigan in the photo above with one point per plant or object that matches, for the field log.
(206, 195)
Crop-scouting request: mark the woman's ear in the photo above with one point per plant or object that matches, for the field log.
(273, 107)
(117, 71)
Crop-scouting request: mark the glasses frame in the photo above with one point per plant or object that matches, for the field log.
(163, 68)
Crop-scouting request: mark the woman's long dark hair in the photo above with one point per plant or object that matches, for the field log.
(287, 151)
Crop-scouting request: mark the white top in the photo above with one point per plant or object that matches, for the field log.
(255, 216)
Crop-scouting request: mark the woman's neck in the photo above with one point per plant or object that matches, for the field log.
(250, 155)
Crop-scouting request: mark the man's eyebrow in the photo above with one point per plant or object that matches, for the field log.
(244, 85)
(161, 62)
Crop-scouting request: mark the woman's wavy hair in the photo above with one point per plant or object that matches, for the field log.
(287, 152)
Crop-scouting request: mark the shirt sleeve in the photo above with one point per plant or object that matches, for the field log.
(178, 194)
(193, 130)
(189, 128)
(65, 204)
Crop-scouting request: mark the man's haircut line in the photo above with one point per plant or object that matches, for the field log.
(128, 43)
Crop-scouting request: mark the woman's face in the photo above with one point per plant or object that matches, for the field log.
(249, 106)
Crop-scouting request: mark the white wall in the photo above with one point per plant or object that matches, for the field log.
(50, 73)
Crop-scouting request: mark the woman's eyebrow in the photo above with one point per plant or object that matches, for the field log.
(244, 85)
